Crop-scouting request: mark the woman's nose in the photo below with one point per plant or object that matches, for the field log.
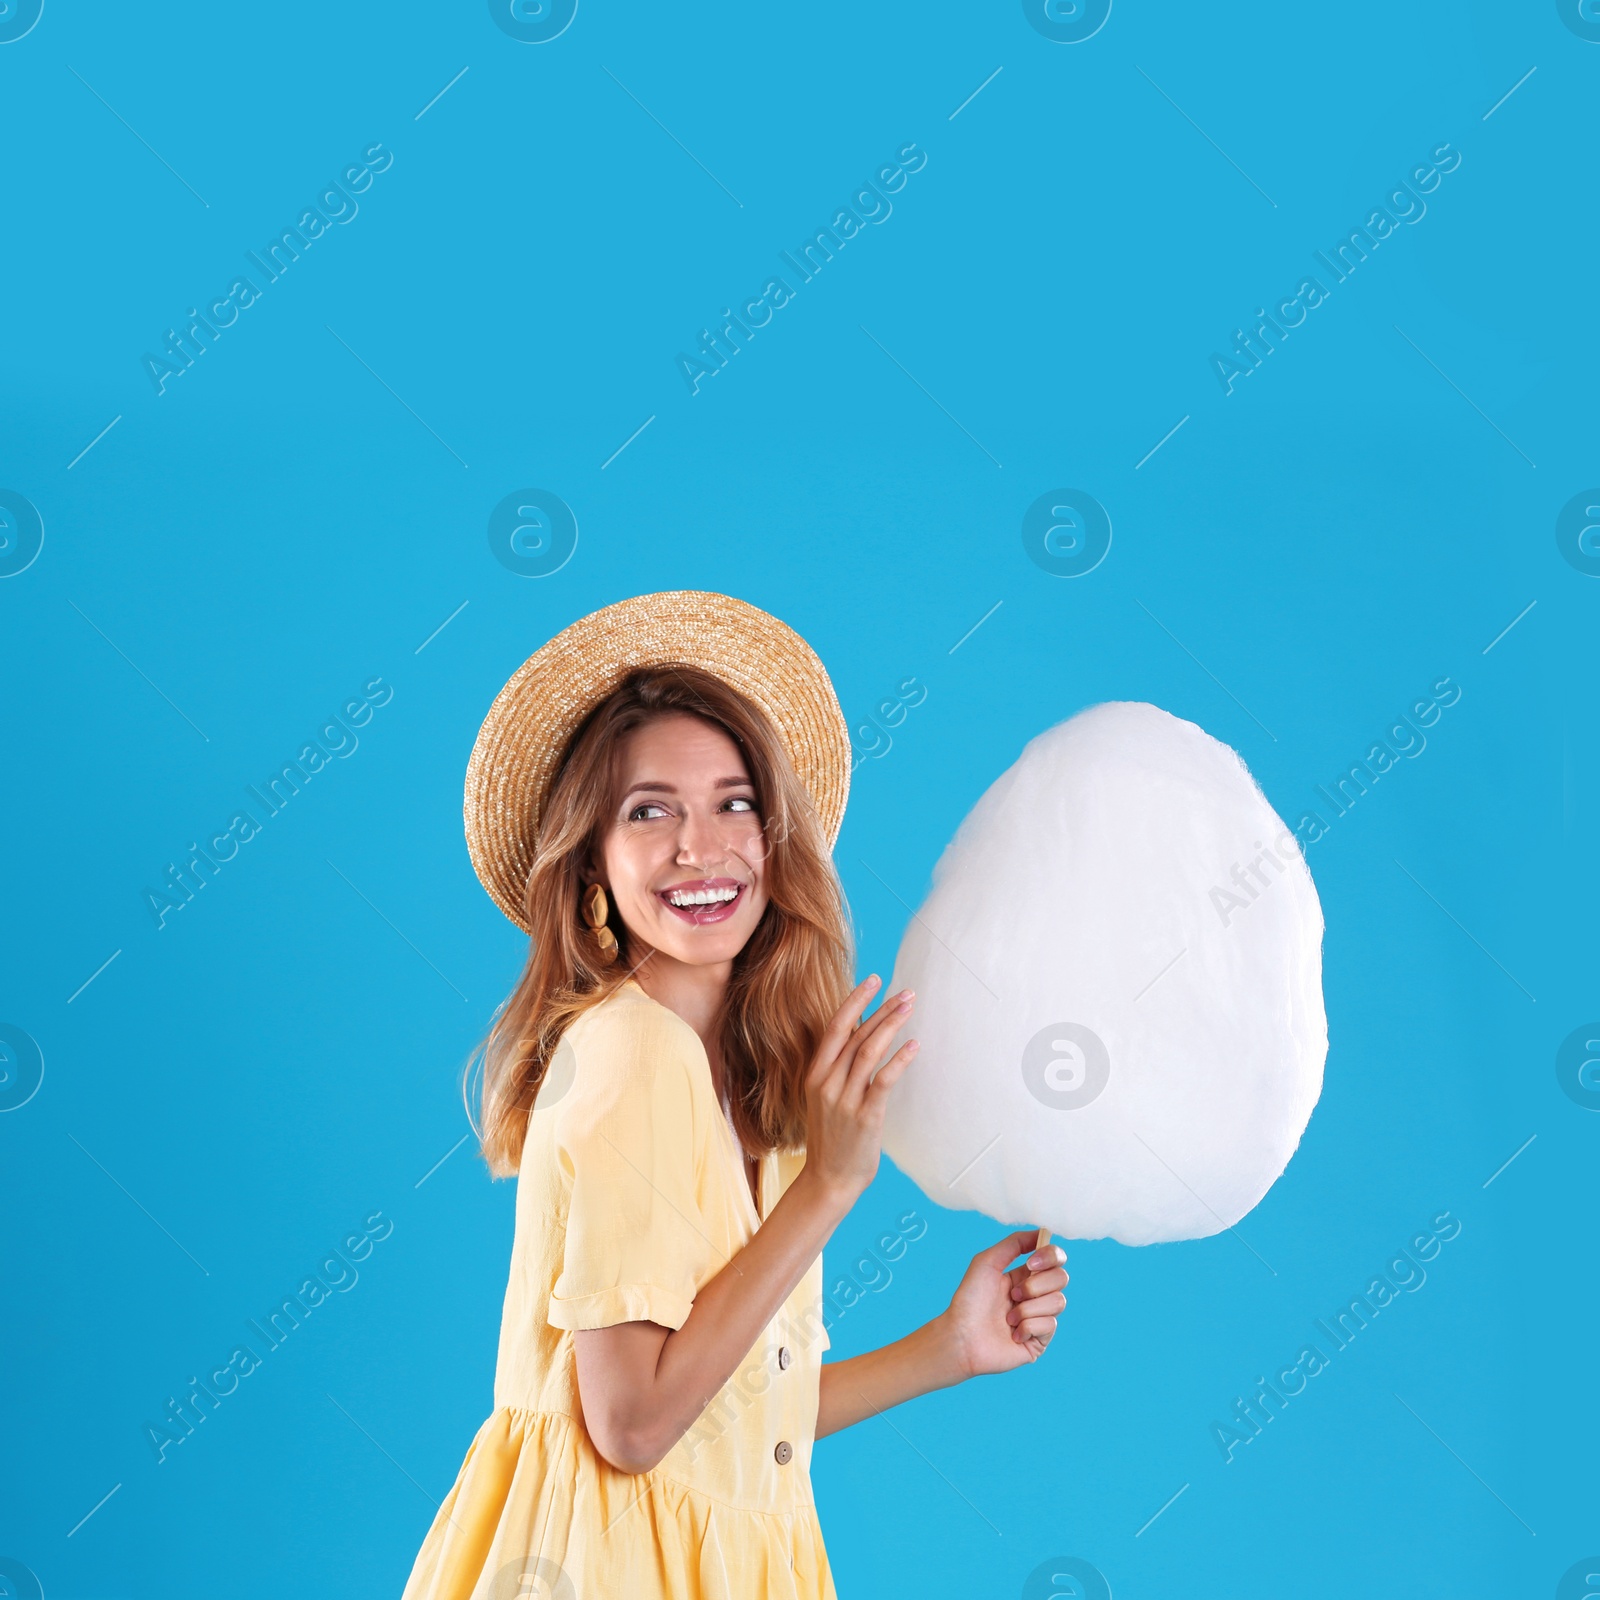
(699, 843)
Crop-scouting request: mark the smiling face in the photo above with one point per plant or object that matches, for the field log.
(683, 854)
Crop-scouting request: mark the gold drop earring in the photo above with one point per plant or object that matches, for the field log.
(596, 909)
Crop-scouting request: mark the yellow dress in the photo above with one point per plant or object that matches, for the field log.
(630, 1197)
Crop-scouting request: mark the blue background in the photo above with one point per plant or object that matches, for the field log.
(300, 511)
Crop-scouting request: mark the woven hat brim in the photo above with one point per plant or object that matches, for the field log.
(529, 727)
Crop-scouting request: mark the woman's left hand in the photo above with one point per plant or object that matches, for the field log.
(999, 1320)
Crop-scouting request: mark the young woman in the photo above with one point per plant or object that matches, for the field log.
(685, 1086)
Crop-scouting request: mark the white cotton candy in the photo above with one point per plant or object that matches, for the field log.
(1119, 981)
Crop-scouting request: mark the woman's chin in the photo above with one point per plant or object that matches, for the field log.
(707, 946)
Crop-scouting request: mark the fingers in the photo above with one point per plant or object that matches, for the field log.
(872, 1040)
(1049, 1306)
(1009, 1248)
(844, 1020)
(1036, 1289)
(1052, 1304)
(890, 1073)
(846, 1032)
(1035, 1338)
(890, 1014)
(1026, 1285)
(835, 1070)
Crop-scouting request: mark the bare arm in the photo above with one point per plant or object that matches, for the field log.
(643, 1385)
(997, 1320)
(866, 1384)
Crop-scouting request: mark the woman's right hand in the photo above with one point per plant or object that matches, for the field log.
(847, 1091)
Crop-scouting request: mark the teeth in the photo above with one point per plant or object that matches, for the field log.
(701, 897)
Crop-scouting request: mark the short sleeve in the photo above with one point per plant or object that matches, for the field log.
(628, 1139)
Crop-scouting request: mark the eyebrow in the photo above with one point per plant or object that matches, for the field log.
(667, 788)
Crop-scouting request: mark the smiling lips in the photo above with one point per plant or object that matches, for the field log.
(703, 901)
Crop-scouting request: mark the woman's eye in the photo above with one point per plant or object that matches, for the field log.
(741, 803)
(646, 811)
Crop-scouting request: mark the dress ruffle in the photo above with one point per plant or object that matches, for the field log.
(535, 1513)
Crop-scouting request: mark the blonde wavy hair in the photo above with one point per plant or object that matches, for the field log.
(788, 981)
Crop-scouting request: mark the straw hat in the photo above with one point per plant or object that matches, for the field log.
(525, 737)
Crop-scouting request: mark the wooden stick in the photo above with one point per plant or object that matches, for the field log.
(1042, 1240)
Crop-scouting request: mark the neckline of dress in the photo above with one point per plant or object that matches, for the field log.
(735, 1150)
